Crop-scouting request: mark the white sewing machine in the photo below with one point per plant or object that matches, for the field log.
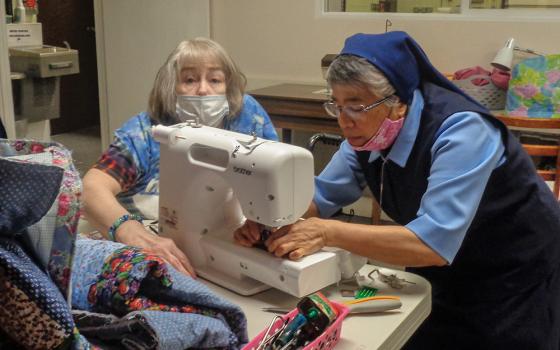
(210, 179)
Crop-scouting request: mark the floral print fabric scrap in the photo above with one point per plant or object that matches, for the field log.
(534, 89)
(118, 289)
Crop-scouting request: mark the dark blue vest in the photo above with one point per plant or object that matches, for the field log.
(510, 251)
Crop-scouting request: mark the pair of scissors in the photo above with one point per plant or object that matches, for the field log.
(358, 306)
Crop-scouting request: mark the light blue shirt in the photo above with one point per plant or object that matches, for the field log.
(466, 149)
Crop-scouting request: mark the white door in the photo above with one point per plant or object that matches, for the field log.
(133, 39)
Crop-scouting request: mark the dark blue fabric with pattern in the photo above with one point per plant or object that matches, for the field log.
(27, 191)
(20, 270)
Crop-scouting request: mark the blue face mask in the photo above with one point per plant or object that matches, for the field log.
(210, 110)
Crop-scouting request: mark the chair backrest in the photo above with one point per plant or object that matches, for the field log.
(328, 144)
(521, 124)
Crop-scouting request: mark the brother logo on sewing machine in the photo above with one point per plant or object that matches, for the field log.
(242, 171)
(234, 153)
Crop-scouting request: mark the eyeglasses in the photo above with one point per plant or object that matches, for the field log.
(354, 111)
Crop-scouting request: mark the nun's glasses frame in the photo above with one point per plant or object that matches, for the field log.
(353, 111)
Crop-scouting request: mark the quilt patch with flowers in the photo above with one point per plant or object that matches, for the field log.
(119, 285)
(178, 311)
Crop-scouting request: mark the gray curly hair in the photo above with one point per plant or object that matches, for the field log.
(354, 70)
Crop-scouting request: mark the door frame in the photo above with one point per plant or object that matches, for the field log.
(6, 97)
(101, 73)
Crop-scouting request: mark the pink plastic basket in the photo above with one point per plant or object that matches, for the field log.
(327, 339)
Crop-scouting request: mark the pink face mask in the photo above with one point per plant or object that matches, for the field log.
(384, 137)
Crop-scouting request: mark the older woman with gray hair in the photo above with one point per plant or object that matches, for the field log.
(472, 215)
(198, 80)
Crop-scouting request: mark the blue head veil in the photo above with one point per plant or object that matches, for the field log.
(400, 59)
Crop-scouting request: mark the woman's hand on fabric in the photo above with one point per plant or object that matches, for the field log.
(134, 233)
(248, 234)
(300, 239)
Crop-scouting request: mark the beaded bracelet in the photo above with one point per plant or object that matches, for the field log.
(119, 222)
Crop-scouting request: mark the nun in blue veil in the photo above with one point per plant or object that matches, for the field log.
(473, 216)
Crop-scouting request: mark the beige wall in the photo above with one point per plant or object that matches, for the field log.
(276, 41)
(133, 39)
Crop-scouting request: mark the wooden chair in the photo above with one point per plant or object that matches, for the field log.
(534, 125)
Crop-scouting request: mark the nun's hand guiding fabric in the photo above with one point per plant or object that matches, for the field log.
(298, 240)
(248, 234)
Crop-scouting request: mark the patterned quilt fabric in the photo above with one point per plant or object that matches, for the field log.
(42, 317)
(534, 88)
(111, 278)
(51, 235)
(39, 188)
